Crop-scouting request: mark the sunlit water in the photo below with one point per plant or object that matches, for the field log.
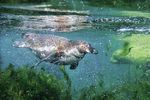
(99, 26)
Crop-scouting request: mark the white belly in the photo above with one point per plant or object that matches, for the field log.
(71, 56)
(68, 60)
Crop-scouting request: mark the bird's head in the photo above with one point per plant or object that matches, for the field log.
(85, 47)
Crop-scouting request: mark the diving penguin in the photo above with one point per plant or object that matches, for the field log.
(55, 49)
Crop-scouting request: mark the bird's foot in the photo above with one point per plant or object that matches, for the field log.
(73, 66)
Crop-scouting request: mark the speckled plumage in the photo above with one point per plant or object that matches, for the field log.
(55, 49)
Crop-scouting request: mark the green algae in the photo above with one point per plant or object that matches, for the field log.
(135, 14)
(136, 49)
(67, 94)
(128, 90)
(26, 83)
(136, 4)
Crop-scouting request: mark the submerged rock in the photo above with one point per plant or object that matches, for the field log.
(55, 49)
(136, 49)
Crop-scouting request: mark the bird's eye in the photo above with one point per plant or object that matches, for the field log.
(82, 46)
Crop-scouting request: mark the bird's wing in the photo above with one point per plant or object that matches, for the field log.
(42, 42)
(49, 57)
(52, 57)
(45, 41)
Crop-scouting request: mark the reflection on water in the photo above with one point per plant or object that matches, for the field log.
(40, 9)
(137, 29)
(61, 23)
(100, 27)
(64, 23)
(68, 23)
(66, 20)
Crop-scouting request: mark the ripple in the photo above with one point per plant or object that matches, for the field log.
(136, 29)
(39, 9)
(61, 23)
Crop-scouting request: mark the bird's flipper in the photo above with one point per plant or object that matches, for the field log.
(73, 66)
(46, 58)
(38, 63)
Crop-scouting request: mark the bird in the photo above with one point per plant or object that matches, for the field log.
(55, 49)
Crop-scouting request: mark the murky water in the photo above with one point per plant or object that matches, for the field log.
(101, 27)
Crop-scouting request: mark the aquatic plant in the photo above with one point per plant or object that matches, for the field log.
(67, 92)
(25, 83)
(135, 90)
(97, 92)
(136, 49)
(138, 4)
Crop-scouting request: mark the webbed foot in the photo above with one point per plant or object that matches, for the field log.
(73, 66)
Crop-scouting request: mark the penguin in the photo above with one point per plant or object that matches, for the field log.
(56, 49)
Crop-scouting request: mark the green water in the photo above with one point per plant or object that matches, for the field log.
(101, 25)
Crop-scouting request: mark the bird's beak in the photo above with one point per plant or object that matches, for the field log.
(93, 51)
(88, 51)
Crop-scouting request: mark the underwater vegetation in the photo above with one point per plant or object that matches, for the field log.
(135, 90)
(138, 4)
(28, 84)
(136, 49)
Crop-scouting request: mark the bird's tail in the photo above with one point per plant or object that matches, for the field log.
(19, 44)
(23, 43)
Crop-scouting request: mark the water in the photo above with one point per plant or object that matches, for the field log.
(100, 26)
